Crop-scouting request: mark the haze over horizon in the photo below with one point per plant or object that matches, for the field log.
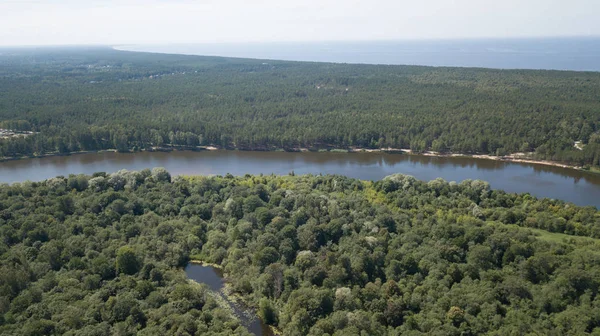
(62, 22)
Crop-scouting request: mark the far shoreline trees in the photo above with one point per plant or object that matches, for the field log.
(98, 98)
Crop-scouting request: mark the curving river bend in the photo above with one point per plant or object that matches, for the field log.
(581, 188)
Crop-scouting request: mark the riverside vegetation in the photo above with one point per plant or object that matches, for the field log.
(317, 255)
(90, 99)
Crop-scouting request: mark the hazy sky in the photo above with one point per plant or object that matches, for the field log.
(34, 22)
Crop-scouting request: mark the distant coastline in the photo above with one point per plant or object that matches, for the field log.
(560, 53)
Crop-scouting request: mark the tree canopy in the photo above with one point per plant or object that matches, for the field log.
(316, 255)
(97, 98)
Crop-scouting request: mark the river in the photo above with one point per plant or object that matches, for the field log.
(213, 278)
(581, 188)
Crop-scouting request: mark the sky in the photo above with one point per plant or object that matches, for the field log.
(60, 22)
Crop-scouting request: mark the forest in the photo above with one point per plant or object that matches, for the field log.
(316, 255)
(86, 99)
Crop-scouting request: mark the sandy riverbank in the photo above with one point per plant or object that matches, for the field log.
(516, 157)
(152, 149)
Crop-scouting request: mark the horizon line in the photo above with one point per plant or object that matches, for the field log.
(449, 39)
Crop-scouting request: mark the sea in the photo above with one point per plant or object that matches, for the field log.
(566, 53)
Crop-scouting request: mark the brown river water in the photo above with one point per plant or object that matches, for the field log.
(579, 187)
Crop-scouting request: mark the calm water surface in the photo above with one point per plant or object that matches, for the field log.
(567, 53)
(214, 279)
(581, 188)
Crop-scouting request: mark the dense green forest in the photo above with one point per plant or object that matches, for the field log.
(318, 255)
(99, 98)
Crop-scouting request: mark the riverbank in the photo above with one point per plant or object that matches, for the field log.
(578, 186)
(232, 301)
(112, 150)
(207, 264)
(54, 154)
(515, 158)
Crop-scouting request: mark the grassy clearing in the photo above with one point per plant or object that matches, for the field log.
(577, 242)
(565, 238)
(595, 170)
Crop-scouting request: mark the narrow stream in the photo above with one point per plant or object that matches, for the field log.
(213, 278)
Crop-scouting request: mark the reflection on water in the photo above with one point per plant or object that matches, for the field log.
(579, 187)
(214, 279)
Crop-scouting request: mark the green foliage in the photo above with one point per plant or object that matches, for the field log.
(267, 312)
(127, 262)
(97, 98)
(314, 255)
